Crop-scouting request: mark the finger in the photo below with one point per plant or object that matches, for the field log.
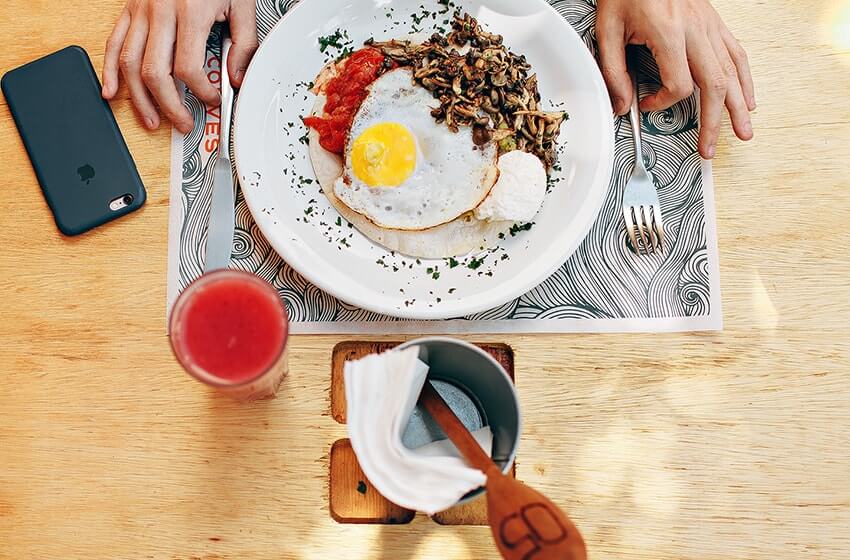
(191, 54)
(712, 83)
(157, 63)
(612, 56)
(742, 64)
(113, 51)
(243, 31)
(130, 62)
(735, 104)
(676, 80)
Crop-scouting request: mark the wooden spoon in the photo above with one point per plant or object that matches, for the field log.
(526, 524)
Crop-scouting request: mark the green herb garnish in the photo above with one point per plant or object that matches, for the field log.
(516, 228)
(475, 264)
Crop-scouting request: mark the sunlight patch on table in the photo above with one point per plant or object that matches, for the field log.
(839, 26)
(694, 397)
(628, 463)
(437, 543)
(765, 314)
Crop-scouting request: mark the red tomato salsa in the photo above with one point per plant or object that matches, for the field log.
(345, 94)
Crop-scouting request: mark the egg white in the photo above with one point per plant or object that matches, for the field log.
(452, 176)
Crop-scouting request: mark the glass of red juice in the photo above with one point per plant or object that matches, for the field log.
(229, 330)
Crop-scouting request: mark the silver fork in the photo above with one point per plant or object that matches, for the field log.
(641, 208)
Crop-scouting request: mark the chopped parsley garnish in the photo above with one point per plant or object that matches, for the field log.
(332, 40)
(453, 263)
(475, 264)
(516, 228)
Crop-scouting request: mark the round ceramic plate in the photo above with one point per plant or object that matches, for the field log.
(279, 186)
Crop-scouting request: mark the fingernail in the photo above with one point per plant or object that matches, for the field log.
(711, 151)
(150, 123)
(748, 128)
(239, 73)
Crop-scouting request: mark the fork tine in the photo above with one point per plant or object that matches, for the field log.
(646, 214)
(659, 225)
(630, 228)
(641, 227)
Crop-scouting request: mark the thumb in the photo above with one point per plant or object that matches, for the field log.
(243, 32)
(612, 58)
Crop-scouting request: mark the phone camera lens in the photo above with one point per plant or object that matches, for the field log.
(128, 199)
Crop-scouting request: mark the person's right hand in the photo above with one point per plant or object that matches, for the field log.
(691, 45)
(156, 41)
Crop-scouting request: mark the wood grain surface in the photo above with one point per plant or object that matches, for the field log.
(732, 445)
(353, 499)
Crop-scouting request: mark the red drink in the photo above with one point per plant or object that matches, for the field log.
(229, 330)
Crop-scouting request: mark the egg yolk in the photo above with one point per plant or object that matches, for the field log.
(384, 155)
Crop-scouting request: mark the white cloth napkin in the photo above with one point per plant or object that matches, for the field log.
(381, 391)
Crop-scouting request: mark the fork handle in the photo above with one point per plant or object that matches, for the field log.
(634, 116)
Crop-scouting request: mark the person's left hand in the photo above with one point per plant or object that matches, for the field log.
(156, 41)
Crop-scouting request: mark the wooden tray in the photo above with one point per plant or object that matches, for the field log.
(352, 497)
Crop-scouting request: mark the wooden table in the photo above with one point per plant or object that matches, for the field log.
(709, 446)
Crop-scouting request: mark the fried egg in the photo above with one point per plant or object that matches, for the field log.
(402, 169)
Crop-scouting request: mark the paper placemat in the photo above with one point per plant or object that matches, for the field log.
(603, 287)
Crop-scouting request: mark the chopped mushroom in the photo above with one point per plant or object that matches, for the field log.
(487, 88)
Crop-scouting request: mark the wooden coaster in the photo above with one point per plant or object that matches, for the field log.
(352, 497)
(345, 351)
(470, 513)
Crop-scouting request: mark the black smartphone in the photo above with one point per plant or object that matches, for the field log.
(80, 158)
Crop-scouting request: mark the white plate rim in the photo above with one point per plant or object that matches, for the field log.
(509, 290)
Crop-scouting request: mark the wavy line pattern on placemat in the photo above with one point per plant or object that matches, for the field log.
(601, 280)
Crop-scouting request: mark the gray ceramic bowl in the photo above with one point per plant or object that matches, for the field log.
(478, 390)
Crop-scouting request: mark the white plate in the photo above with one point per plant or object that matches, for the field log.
(302, 226)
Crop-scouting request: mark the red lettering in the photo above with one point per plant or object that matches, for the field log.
(214, 112)
(212, 128)
(211, 145)
(214, 76)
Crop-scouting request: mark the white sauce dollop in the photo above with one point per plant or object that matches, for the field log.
(518, 194)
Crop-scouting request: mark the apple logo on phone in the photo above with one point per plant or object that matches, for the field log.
(86, 173)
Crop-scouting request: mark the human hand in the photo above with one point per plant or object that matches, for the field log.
(691, 45)
(156, 41)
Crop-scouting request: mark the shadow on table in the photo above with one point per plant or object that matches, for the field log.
(405, 541)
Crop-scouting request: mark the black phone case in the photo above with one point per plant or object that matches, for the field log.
(75, 146)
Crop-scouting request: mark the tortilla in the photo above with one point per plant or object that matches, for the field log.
(458, 237)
